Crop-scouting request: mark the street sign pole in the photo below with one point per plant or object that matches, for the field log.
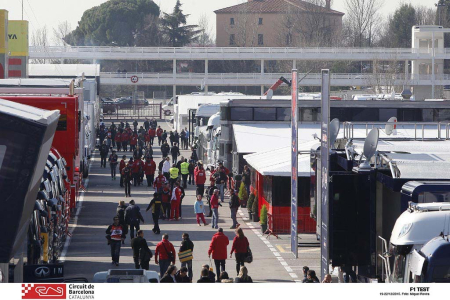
(325, 163)
(294, 163)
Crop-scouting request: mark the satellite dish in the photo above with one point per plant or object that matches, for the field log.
(334, 131)
(269, 94)
(389, 129)
(370, 147)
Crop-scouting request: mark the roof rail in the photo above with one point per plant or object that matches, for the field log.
(424, 207)
(418, 127)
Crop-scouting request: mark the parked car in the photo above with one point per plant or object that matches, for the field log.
(128, 102)
(109, 107)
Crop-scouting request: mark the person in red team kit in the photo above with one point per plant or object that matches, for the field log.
(165, 197)
(218, 249)
(175, 202)
(149, 169)
(133, 141)
(125, 137)
(118, 140)
(200, 178)
(159, 133)
(137, 167)
(152, 134)
(159, 182)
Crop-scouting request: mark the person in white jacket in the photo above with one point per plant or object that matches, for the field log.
(166, 168)
(199, 210)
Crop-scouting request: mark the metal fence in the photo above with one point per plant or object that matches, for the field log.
(131, 112)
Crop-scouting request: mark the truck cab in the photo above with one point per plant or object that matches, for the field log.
(415, 227)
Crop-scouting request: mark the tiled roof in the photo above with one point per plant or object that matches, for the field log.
(274, 6)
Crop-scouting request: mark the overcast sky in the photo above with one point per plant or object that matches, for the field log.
(53, 12)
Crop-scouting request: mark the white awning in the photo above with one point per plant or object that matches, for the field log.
(278, 163)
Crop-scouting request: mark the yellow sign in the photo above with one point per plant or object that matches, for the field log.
(18, 38)
(3, 31)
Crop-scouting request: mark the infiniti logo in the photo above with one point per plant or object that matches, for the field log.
(42, 272)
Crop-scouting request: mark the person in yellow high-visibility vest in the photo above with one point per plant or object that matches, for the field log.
(173, 175)
(184, 172)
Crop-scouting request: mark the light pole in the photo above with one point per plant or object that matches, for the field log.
(439, 5)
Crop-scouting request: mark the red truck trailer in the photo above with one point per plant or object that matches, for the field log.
(67, 136)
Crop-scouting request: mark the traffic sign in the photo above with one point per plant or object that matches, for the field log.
(134, 79)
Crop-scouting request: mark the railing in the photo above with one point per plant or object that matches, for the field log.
(138, 111)
(348, 128)
(313, 76)
(231, 50)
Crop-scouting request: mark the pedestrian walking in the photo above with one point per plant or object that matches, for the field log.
(120, 212)
(137, 170)
(234, 206)
(218, 250)
(175, 202)
(166, 194)
(176, 138)
(166, 168)
(199, 210)
(191, 169)
(141, 252)
(152, 134)
(184, 172)
(164, 137)
(117, 235)
(133, 217)
(183, 194)
(175, 152)
(173, 175)
(221, 181)
(171, 139)
(164, 254)
(155, 206)
(200, 178)
(118, 140)
(240, 248)
(183, 138)
(113, 161)
(194, 156)
(122, 165)
(125, 137)
(210, 193)
(159, 133)
(133, 141)
(246, 178)
(149, 169)
(185, 254)
(159, 182)
(103, 154)
(170, 275)
(127, 177)
(243, 276)
(146, 124)
(215, 209)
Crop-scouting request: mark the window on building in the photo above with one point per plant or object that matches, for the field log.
(232, 39)
(231, 21)
(260, 39)
(241, 114)
(265, 114)
(283, 114)
(260, 22)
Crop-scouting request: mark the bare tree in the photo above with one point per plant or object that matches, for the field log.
(205, 38)
(361, 17)
(60, 32)
(40, 39)
(425, 15)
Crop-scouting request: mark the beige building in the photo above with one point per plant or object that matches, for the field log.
(278, 23)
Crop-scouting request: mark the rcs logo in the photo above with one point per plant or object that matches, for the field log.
(43, 291)
(12, 36)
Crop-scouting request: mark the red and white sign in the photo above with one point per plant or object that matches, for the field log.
(43, 291)
(134, 79)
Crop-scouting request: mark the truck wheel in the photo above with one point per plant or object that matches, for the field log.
(85, 172)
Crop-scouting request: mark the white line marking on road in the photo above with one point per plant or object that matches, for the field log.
(293, 275)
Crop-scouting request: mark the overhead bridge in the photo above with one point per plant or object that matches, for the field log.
(258, 79)
(235, 53)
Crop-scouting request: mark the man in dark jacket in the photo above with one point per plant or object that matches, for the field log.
(155, 207)
(103, 154)
(165, 149)
(133, 217)
(234, 206)
(182, 276)
(205, 276)
(116, 235)
(127, 175)
(187, 244)
(175, 151)
(121, 214)
(141, 252)
(221, 182)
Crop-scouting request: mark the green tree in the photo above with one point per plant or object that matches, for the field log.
(176, 32)
(113, 23)
(400, 26)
